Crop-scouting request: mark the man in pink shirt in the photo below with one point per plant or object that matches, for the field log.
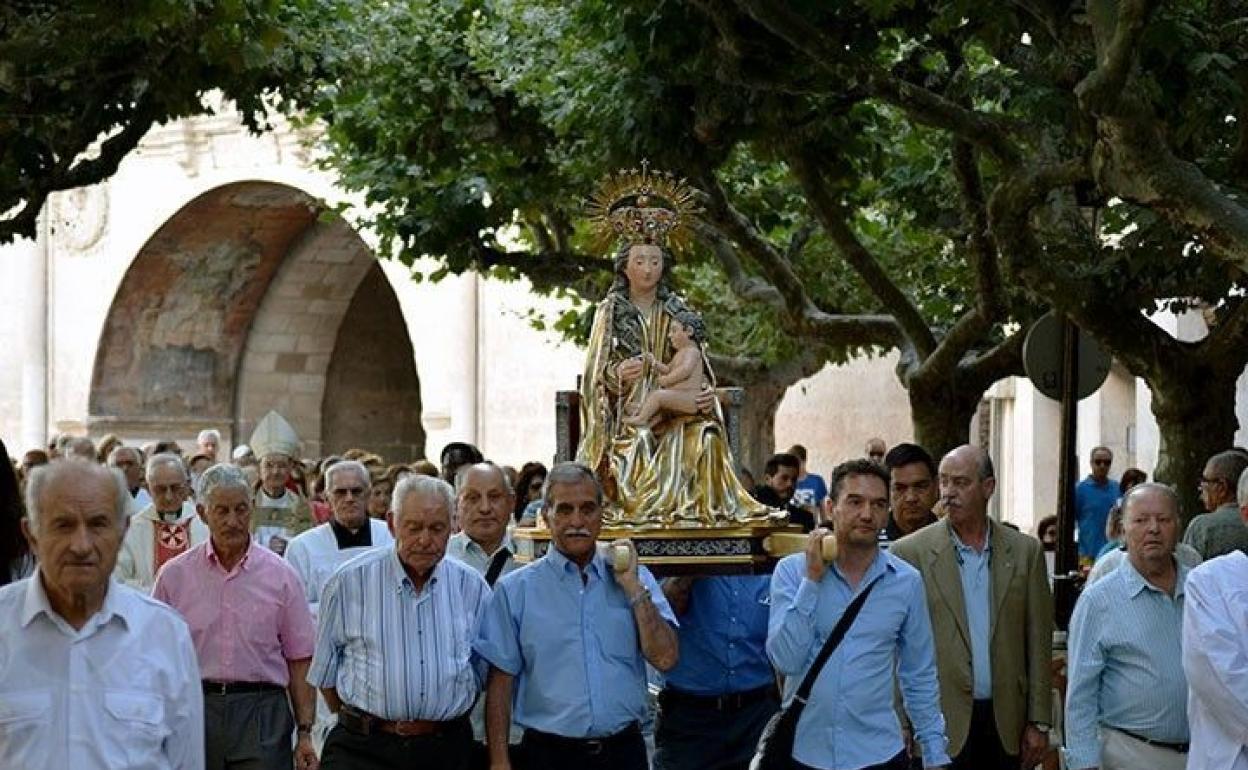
(252, 630)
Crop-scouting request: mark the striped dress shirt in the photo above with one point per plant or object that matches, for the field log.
(396, 653)
(1125, 664)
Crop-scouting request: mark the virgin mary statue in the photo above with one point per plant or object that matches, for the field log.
(678, 470)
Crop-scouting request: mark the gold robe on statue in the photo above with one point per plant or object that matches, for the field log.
(680, 472)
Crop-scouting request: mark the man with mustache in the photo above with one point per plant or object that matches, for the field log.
(93, 674)
(567, 638)
(252, 630)
(992, 622)
(1125, 670)
(394, 648)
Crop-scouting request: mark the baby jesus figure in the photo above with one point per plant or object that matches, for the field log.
(681, 379)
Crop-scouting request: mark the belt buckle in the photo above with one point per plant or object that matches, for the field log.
(218, 688)
(594, 747)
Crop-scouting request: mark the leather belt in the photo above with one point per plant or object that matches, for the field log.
(363, 723)
(231, 688)
(733, 701)
(1179, 748)
(584, 746)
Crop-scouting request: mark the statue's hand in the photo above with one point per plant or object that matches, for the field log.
(629, 369)
(706, 401)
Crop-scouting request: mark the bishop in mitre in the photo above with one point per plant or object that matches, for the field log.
(280, 512)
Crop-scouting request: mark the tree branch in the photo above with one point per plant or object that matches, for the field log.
(1100, 92)
(1003, 360)
(1228, 336)
(983, 249)
(748, 287)
(835, 220)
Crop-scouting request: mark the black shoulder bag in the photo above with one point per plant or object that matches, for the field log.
(775, 747)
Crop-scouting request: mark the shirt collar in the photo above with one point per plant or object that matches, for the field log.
(37, 603)
(963, 547)
(362, 538)
(399, 578)
(1136, 582)
(472, 545)
(566, 567)
(211, 555)
(188, 511)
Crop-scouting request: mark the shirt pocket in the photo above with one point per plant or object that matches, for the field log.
(618, 635)
(135, 724)
(25, 720)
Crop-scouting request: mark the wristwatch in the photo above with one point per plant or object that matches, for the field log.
(304, 727)
(1042, 727)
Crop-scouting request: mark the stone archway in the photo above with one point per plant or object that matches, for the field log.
(234, 307)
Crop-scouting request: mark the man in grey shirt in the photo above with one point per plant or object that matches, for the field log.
(1221, 530)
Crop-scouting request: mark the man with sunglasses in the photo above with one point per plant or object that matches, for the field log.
(1094, 496)
(1220, 531)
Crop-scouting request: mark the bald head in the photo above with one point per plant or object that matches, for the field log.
(967, 481)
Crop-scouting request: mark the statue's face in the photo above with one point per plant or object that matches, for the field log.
(645, 266)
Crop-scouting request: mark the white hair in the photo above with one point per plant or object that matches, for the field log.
(164, 458)
(569, 473)
(44, 476)
(221, 476)
(343, 465)
(117, 450)
(420, 485)
(208, 433)
(483, 465)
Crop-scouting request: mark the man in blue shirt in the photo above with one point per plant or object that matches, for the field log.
(1094, 496)
(567, 638)
(1125, 666)
(809, 491)
(716, 702)
(849, 721)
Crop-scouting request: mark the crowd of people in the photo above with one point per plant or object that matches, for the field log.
(263, 611)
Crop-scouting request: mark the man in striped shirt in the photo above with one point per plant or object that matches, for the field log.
(1125, 669)
(394, 649)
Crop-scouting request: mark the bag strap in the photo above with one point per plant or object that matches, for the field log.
(496, 565)
(834, 639)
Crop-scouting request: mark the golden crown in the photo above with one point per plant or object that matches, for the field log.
(638, 205)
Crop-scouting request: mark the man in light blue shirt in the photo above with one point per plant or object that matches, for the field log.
(849, 721)
(1125, 666)
(567, 638)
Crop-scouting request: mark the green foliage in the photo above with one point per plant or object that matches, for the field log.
(74, 73)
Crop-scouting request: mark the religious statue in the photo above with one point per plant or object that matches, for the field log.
(652, 429)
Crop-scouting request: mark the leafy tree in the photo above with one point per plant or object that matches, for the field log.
(81, 81)
(473, 129)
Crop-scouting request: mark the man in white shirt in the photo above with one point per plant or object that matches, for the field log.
(129, 460)
(484, 502)
(93, 674)
(164, 529)
(1215, 657)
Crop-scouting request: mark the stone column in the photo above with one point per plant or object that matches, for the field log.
(34, 341)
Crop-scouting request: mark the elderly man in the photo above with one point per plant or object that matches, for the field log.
(93, 674)
(129, 460)
(208, 442)
(914, 490)
(280, 512)
(252, 631)
(1125, 669)
(165, 529)
(849, 720)
(1215, 656)
(875, 449)
(1094, 496)
(567, 639)
(1220, 531)
(485, 502)
(393, 652)
(992, 620)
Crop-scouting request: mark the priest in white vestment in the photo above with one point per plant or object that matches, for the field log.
(165, 528)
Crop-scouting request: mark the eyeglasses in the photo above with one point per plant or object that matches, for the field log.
(1206, 481)
(353, 491)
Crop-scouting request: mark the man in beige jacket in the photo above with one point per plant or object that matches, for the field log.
(992, 622)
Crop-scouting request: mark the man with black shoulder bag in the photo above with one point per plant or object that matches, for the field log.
(843, 620)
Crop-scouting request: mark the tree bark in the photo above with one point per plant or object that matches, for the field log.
(1195, 411)
(758, 425)
(941, 415)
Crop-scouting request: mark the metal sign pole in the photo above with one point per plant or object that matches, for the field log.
(1066, 571)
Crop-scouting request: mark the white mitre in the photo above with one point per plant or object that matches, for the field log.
(274, 436)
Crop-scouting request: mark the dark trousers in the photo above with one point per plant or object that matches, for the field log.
(248, 730)
(983, 749)
(709, 735)
(899, 762)
(625, 750)
(449, 750)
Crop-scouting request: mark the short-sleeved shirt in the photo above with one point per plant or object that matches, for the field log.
(810, 490)
(248, 623)
(723, 637)
(1092, 504)
(572, 645)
